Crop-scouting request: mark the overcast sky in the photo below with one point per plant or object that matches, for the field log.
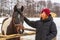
(57, 1)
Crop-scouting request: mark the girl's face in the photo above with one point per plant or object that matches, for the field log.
(43, 16)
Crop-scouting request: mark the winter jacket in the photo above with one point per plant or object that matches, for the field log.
(45, 29)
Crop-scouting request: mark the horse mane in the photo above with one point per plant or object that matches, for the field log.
(2, 24)
(4, 20)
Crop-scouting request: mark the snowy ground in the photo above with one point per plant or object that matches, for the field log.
(32, 37)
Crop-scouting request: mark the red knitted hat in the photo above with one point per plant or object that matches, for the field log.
(46, 10)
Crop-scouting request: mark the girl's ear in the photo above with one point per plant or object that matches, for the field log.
(22, 8)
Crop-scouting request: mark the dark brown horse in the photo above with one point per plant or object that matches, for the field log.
(12, 25)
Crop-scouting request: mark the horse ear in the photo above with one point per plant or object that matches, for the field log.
(15, 8)
(22, 8)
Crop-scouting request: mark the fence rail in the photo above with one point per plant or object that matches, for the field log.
(4, 37)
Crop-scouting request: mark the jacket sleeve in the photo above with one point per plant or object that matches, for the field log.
(30, 23)
(53, 31)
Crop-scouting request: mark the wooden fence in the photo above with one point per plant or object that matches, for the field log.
(4, 37)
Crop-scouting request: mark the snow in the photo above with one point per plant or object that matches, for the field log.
(56, 20)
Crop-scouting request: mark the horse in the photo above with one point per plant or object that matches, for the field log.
(10, 25)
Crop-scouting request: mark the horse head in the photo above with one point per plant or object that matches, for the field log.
(19, 27)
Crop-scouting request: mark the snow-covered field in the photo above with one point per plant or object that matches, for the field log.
(32, 37)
